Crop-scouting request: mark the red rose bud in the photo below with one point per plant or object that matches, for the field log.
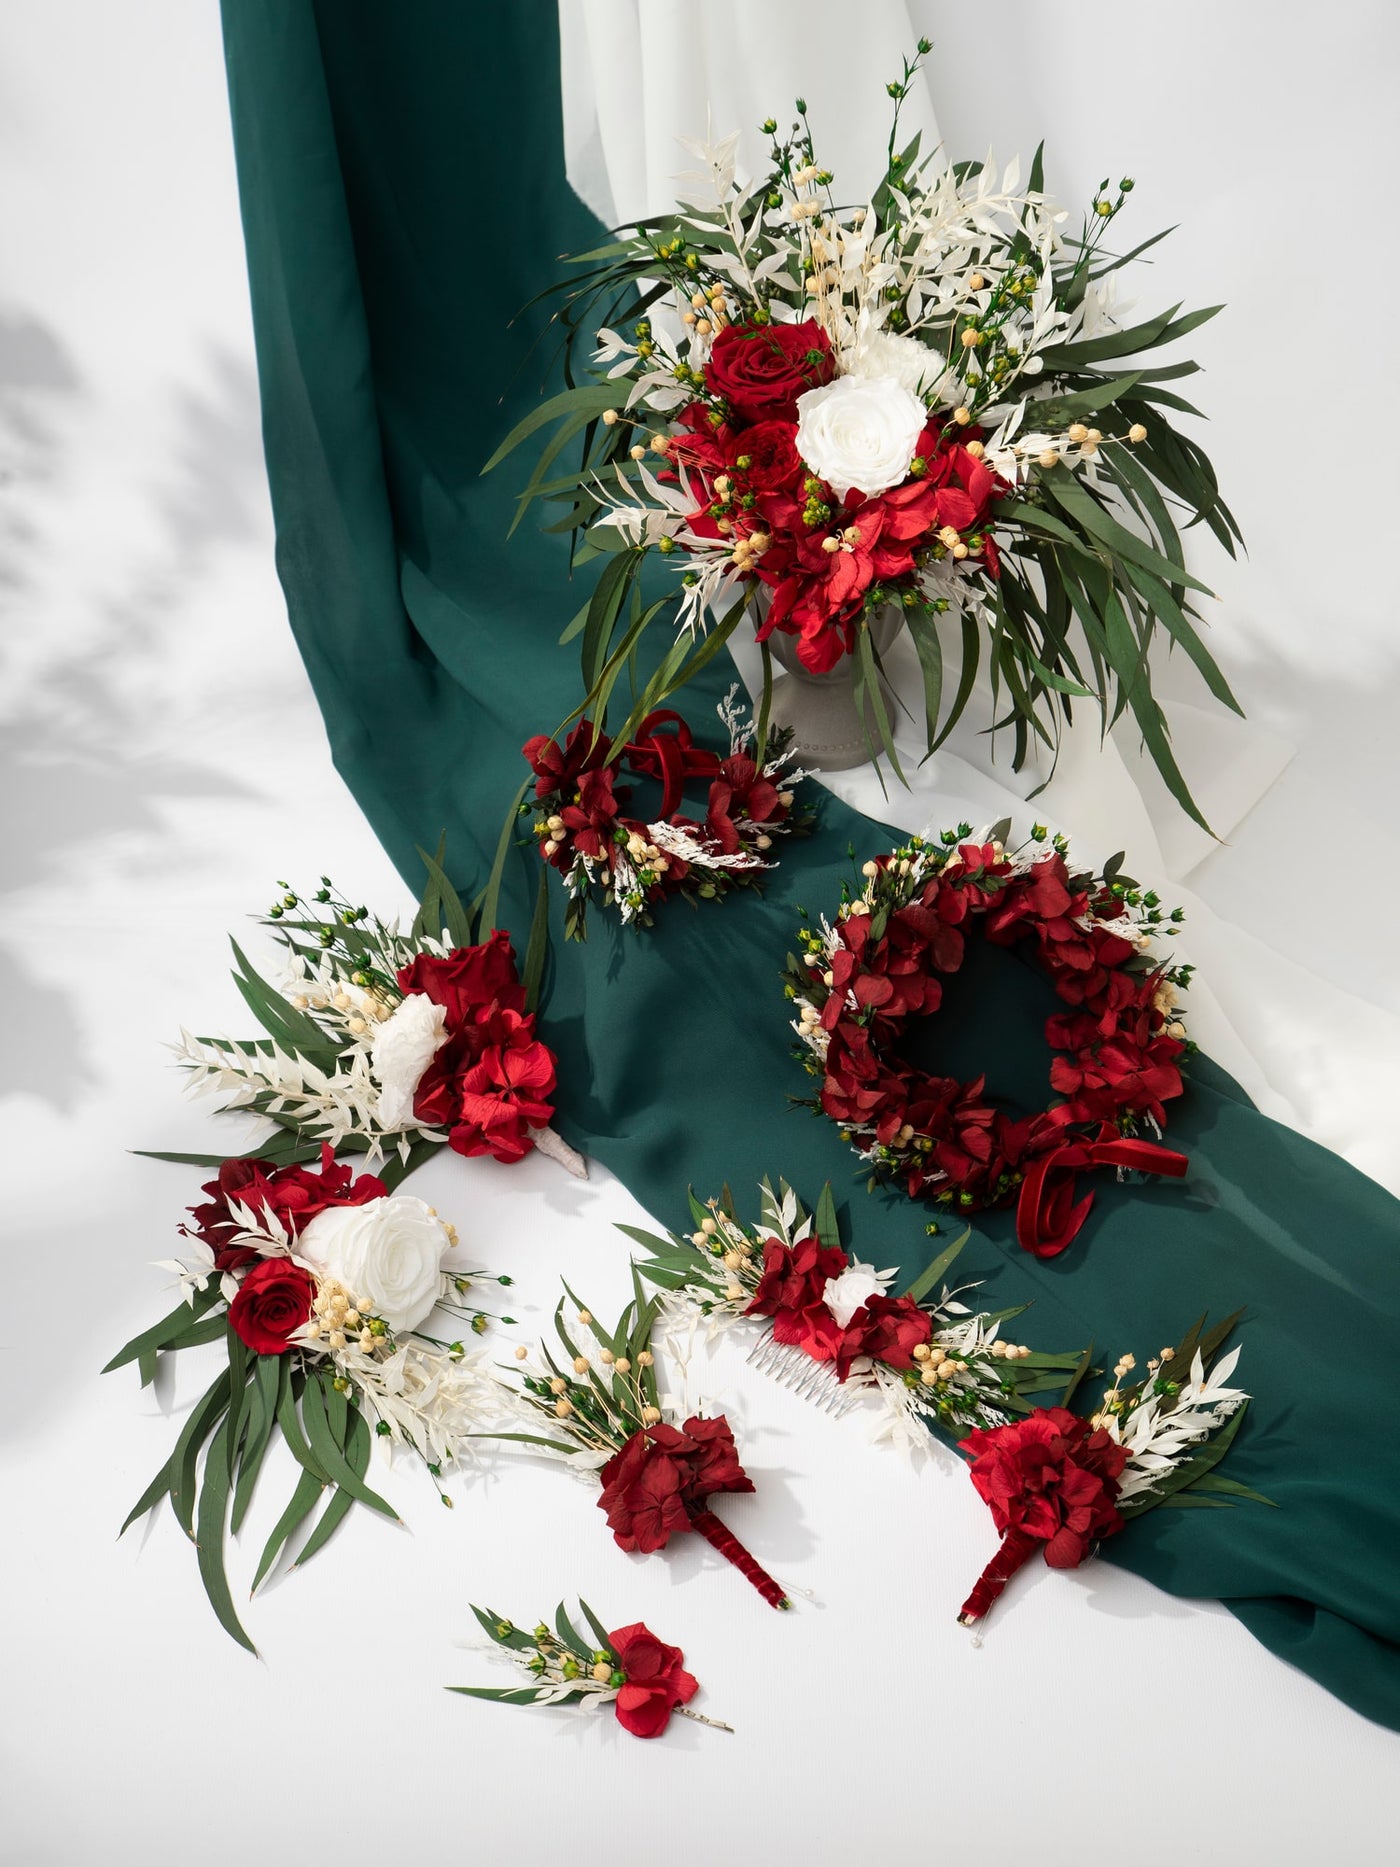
(656, 1485)
(272, 1303)
(655, 1681)
(470, 981)
(1051, 1482)
(761, 369)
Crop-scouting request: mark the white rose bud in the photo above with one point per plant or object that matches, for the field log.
(860, 432)
(388, 1251)
(852, 1290)
(884, 353)
(404, 1045)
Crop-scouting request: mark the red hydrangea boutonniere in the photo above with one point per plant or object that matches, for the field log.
(1061, 1484)
(602, 1404)
(389, 1043)
(641, 1677)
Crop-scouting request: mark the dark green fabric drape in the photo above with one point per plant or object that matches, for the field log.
(401, 172)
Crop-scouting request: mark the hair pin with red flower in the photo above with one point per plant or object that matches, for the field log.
(607, 1418)
(642, 1678)
(388, 1043)
(830, 1329)
(586, 829)
(1119, 1042)
(1060, 1484)
(319, 1285)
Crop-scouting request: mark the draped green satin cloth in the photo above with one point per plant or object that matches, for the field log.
(403, 190)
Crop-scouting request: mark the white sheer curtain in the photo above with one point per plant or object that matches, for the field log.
(639, 73)
(1209, 118)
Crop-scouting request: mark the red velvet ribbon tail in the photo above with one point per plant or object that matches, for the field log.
(1048, 1217)
(1016, 1548)
(719, 1537)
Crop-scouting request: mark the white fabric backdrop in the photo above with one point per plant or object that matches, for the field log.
(164, 763)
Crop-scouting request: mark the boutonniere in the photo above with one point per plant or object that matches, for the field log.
(640, 1678)
(598, 1395)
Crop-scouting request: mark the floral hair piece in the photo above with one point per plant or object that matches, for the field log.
(632, 863)
(829, 1328)
(639, 1676)
(389, 1043)
(1120, 1041)
(1060, 1484)
(319, 1285)
(606, 1416)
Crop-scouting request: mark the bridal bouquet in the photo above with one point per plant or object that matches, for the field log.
(922, 407)
(318, 1285)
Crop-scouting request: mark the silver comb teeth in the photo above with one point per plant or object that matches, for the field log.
(810, 1380)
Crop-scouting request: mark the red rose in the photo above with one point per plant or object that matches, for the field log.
(765, 458)
(470, 980)
(272, 1303)
(292, 1196)
(1051, 1477)
(656, 1682)
(761, 369)
(664, 1472)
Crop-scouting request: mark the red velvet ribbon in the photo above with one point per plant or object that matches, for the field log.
(1048, 1216)
(671, 757)
(720, 1537)
(1014, 1550)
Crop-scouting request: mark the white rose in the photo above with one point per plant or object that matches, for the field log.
(860, 432)
(388, 1253)
(853, 1289)
(403, 1047)
(884, 353)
